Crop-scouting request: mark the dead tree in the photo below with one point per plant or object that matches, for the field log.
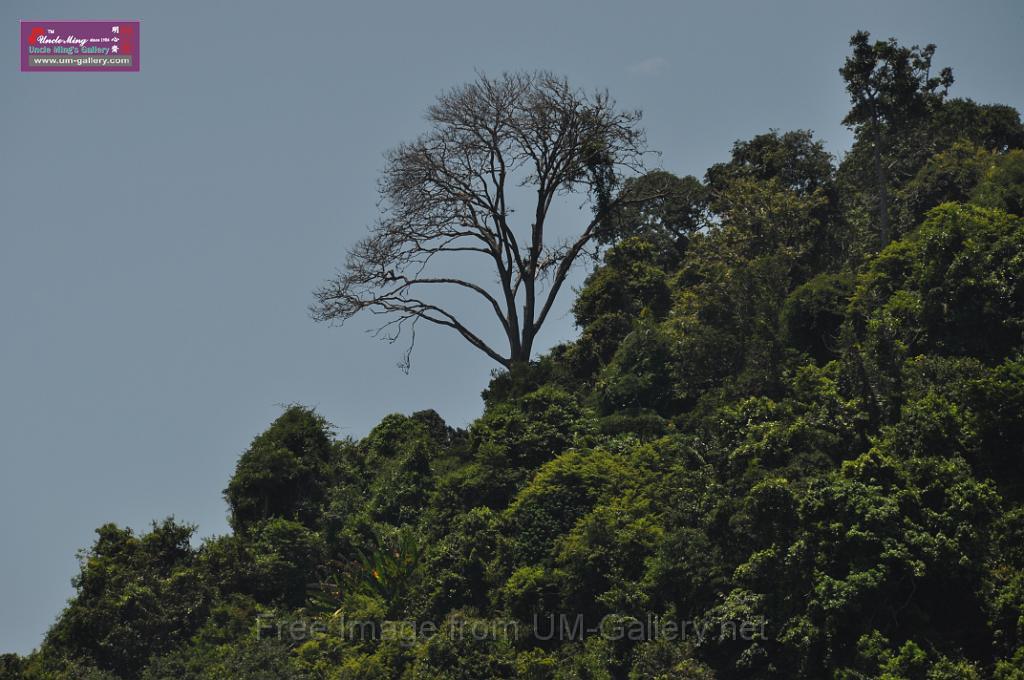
(491, 143)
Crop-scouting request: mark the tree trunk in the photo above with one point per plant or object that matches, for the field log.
(883, 191)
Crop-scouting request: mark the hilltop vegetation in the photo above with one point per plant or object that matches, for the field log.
(776, 419)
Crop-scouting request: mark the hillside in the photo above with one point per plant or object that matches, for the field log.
(786, 444)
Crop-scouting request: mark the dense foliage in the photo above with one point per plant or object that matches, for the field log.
(767, 424)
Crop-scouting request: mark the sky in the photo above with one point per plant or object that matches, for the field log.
(161, 232)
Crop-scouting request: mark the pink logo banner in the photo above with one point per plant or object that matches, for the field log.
(80, 45)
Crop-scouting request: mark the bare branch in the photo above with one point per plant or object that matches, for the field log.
(447, 194)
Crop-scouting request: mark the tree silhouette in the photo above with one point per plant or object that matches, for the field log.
(450, 192)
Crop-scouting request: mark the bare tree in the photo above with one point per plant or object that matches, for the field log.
(449, 192)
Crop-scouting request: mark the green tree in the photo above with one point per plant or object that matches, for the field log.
(285, 471)
(891, 89)
(135, 597)
(659, 207)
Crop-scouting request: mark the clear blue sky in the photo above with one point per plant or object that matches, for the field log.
(160, 232)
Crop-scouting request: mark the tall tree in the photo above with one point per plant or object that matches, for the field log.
(890, 88)
(451, 192)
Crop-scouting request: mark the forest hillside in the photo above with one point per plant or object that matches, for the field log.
(788, 442)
